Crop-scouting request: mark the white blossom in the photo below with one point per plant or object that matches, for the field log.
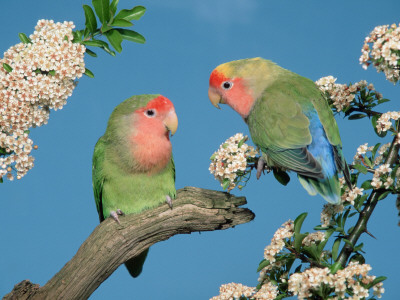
(42, 78)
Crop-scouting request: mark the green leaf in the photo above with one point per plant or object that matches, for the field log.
(52, 72)
(367, 185)
(241, 142)
(383, 195)
(88, 73)
(24, 39)
(121, 23)
(105, 28)
(358, 247)
(298, 222)
(340, 229)
(281, 176)
(115, 39)
(374, 120)
(360, 201)
(376, 147)
(358, 257)
(131, 14)
(263, 264)
(77, 36)
(357, 116)
(349, 243)
(91, 53)
(113, 6)
(106, 48)
(322, 244)
(7, 67)
(349, 231)
(377, 280)
(368, 162)
(101, 44)
(383, 101)
(86, 33)
(132, 36)
(298, 240)
(335, 249)
(320, 227)
(335, 267)
(102, 8)
(95, 43)
(225, 183)
(361, 168)
(90, 19)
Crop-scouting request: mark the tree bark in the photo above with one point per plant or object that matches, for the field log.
(111, 244)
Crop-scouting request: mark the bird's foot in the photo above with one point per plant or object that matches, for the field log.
(169, 201)
(115, 214)
(260, 167)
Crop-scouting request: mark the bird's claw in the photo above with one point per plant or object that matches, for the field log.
(260, 167)
(115, 214)
(169, 201)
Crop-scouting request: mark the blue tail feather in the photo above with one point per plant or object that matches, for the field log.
(322, 150)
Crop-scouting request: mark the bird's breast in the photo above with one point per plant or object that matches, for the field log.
(151, 154)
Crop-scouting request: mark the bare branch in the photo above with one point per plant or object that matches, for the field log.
(110, 244)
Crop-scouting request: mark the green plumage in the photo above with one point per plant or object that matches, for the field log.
(118, 182)
(294, 126)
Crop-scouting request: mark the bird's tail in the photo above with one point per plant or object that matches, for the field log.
(135, 264)
(329, 187)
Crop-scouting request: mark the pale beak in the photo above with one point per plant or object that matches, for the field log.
(171, 122)
(215, 98)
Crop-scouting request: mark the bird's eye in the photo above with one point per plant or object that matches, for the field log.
(226, 85)
(150, 113)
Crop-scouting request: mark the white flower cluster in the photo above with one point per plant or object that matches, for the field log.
(382, 171)
(342, 94)
(286, 231)
(313, 237)
(381, 48)
(378, 180)
(384, 123)
(41, 77)
(277, 242)
(363, 149)
(328, 211)
(268, 291)
(233, 291)
(230, 159)
(354, 277)
(351, 195)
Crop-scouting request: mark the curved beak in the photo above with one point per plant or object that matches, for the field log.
(171, 121)
(215, 98)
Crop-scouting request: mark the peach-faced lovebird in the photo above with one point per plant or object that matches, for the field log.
(289, 120)
(133, 168)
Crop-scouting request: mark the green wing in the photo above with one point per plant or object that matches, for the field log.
(279, 126)
(97, 177)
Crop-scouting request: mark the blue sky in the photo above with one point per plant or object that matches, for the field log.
(50, 212)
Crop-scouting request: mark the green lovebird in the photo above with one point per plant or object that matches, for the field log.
(133, 168)
(289, 120)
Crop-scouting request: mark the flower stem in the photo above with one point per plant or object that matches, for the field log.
(369, 207)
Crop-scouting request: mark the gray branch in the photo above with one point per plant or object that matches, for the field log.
(110, 244)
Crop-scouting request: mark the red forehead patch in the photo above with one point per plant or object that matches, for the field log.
(161, 103)
(217, 78)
